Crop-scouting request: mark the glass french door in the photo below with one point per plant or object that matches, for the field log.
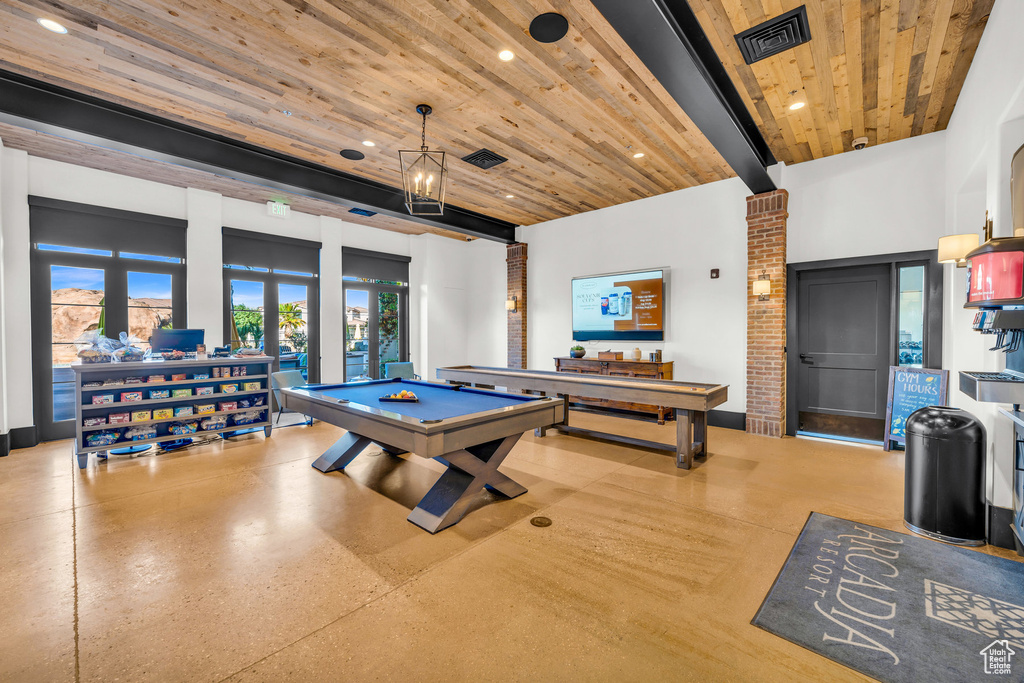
(376, 328)
(277, 313)
(293, 322)
(79, 292)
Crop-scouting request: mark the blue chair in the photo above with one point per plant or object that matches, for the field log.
(399, 371)
(285, 380)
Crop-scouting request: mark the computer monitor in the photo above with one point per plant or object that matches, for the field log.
(176, 340)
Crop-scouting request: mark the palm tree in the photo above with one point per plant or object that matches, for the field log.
(289, 317)
(246, 323)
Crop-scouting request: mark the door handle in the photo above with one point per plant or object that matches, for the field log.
(806, 359)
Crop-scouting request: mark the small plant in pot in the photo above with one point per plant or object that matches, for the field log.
(577, 351)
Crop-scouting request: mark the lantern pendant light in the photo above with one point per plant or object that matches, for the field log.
(424, 175)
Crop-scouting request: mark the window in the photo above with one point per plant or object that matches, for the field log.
(910, 304)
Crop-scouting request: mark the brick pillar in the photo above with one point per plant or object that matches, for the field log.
(766, 320)
(516, 264)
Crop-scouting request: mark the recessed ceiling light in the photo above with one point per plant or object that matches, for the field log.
(51, 25)
(638, 155)
(506, 55)
(510, 196)
(796, 105)
(369, 143)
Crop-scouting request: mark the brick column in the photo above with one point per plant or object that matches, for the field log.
(766, 320)
(516, 328)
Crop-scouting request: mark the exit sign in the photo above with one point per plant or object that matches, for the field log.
(277, 209)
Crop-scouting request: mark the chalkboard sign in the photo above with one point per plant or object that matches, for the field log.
(910, 389)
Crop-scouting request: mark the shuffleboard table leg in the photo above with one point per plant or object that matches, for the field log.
(684, 442)
(469, 471)
(344, 451)
(700, 433)
(540, 432)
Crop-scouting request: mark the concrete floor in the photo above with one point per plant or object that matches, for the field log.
(239, 561)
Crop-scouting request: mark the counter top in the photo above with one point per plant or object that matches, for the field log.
(149, 364)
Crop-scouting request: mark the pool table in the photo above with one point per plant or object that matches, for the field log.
(469, 430)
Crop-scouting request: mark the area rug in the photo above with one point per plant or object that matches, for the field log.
(899, 607)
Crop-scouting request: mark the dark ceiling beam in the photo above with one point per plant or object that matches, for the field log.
(667, 37)
(51, 109)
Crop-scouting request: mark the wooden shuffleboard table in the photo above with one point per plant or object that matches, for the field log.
(469, 430)
(691, 401)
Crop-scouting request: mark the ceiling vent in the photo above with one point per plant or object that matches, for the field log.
(362, 212)
(774, 36)
(485, 159)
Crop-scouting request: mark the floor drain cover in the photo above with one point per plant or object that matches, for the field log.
(540, 521)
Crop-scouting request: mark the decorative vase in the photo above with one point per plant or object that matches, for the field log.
(636, 353)
(577, 353)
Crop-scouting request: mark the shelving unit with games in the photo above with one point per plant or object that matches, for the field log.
(145, 402)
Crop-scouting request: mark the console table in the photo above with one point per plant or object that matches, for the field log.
(644, 369)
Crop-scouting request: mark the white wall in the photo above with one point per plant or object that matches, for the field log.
(690, 231)
(486, 270)
(878, 200)
(3, 306)
(458, 291)
(457, 278)
(17, 302)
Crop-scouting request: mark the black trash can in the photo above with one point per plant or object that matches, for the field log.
(944, 489)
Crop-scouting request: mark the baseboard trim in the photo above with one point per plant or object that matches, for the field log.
(5, 445)
(727, 419)
(1000, 534)
(24, 437)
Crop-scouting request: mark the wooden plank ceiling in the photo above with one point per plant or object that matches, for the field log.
(881, 69)
(569, 116)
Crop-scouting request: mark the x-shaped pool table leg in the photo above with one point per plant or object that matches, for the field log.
(345, 450)
(469, 470)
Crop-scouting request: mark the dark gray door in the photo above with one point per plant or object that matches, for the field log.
(843, 318)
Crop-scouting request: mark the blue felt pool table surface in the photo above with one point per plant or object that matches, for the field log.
(436, 401)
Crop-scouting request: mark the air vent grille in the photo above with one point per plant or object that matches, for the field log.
(362, 212)
(484, 158)
(774, 36)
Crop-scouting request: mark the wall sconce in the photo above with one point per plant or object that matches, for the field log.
(762, 287)
(955, 248)
(510, 304)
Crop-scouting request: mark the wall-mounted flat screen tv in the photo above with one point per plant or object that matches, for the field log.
(628, 306)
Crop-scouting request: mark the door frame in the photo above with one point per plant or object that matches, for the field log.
(374, 289)
(115, 285)
(932, 307)
(270, 280)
